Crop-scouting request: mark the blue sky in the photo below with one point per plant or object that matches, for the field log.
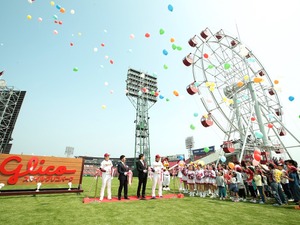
(64, 108)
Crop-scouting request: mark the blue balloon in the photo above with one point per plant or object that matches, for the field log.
(223, 158)
(161, 97)
(58, 6)
(165, 52)
(196, 114)
(170, 8)
(180, 157)
(291, 98)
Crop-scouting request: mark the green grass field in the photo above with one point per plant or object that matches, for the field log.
(68, 209)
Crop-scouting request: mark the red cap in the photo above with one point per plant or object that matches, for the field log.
(157, 156)
(106, 154)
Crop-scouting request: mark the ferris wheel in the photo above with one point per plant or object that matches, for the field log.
(239, 96)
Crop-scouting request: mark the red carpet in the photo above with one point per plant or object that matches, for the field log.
(132, 198)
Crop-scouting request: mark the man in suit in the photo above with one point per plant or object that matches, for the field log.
(123, 178)
(142, 175)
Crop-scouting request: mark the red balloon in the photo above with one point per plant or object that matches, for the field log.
(253, 119)
(257, 157)
(257, 151)
(270, 125)
(102, 44)
(111, 61)
(71, 44)
(205, 55)
(147, 35)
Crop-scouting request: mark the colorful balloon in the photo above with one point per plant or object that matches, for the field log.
(75, 69)
(175, 93)
(291, 98)
(62, 10)
(55, 32)
(52, 3)
(161, 31)
(196, 114)
(166, 67)
(276, 82)
(131, 36)
(257, 157)
(72, 11)
(226, 66)
(147, 35)
(255, 163)
(170, 8)
(174, 47)
(58, 6)
(205, 55)
(40, 19)
(179, 48)
(231, 165)
(257, 151)
(257, 79)
(165, 52)
(223, 158)
(206, 150)
(258, 135)
(172, 40)
(192, 127)
(29, 17)
(270, 125)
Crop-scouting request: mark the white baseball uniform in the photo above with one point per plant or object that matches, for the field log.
(106, 168)
(157, 177)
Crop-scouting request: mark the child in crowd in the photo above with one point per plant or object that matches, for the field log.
(212, 181)
(259, 185)
(191, 179)
(233, 187)
(220, 181)
(240, 183)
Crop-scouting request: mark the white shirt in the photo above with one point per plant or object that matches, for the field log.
(106, 165)
(157, 166)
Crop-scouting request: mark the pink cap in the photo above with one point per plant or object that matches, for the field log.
(106, 154)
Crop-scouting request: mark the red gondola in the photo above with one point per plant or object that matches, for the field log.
(271, 91)
(281, 131)
(191, 89)
(188, 60)
(228, 147)
(278, 112)
(207, 122)
(193, 42)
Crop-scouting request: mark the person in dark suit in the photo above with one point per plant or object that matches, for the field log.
(142, 175)
(123, 178)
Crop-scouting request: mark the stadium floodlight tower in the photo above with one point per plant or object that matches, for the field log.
(142, 93)
(10, 105)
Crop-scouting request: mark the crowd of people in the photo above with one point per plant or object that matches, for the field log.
(276, 182)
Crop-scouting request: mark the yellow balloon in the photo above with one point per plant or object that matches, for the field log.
(52, 3)
(205, 116)
(103, 106)
(246, 77)
(211, 88)
(212, 84)
(29, 17)
(230, 101)
(207, 84)
(224, 99)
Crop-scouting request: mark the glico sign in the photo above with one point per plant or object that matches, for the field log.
(50, 172)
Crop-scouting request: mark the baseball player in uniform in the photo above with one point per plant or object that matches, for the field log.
(106, 169)
(157, 170)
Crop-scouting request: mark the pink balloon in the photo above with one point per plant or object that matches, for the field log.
(255, 163)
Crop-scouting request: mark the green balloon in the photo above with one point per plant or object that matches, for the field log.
(206, 149)
(161, 31)
(179, 48)
(192, 127)
(174, 46)
(75, 69)
(226, 66)
(210, 66)
(167, 99)
(165, 67)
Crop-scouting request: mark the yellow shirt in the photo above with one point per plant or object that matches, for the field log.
(277, 175)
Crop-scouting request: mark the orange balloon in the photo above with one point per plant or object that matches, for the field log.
(176, 93)
(172, 40)
(62, 10)
(240, 84)
(231, 165)
(276, 81)
(257, 80)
